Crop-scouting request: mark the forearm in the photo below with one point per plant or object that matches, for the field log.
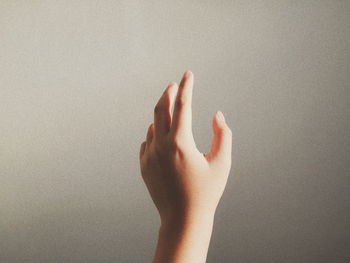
(184, 241)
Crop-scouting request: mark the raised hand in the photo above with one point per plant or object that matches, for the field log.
(185, 184)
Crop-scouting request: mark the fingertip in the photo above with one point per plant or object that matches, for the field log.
(220, 117)
(216, 119)
(188, 73)
(173, 86)
(187, 80)
(172, 83)
(219, 123)
(170, 87)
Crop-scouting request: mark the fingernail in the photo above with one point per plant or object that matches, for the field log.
(220, 116)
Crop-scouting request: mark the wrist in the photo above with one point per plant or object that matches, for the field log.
(184, 238)
(183, 221)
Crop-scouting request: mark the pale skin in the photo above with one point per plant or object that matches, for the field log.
(185, 184)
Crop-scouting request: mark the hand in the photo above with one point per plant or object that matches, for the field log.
(185, 184)
(182, 181)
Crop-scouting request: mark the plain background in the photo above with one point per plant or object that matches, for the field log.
(78, 83)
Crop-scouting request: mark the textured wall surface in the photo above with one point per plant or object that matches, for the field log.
(78, 83)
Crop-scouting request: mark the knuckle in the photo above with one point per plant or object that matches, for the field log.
(173, 142)
(142, 147)
(176, 145)
(144, 165)
(228, 131)
(180, 102)
(159, 148)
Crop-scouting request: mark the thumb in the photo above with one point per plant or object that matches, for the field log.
(221, 145)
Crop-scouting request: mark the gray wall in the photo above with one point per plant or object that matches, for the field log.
(79, 80)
